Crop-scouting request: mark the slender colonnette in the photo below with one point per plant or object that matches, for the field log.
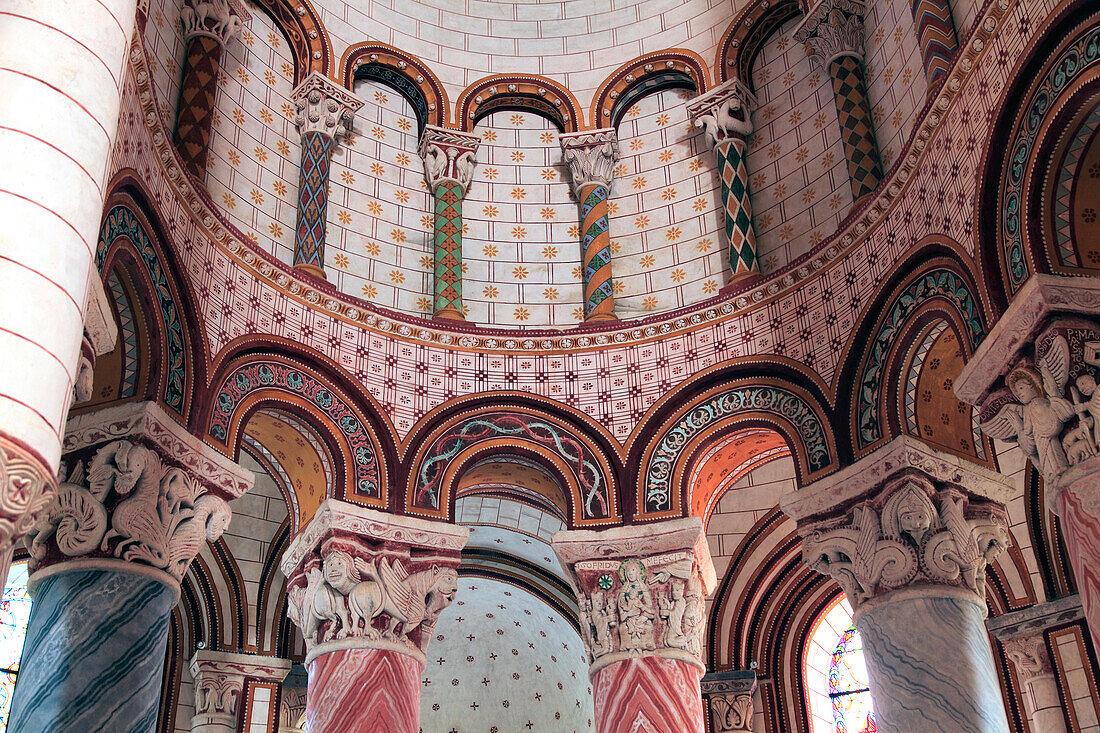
(725, 114)
(366, 588)
(449, 159)
(325, 114)
(641, 592)
(140, 498)
(591, 157)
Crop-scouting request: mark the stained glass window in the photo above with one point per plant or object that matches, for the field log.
(835, 674)
(15, 609)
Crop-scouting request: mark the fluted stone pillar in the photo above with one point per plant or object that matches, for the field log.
(449, 159)
(729, 697)
(725, 114)
(140, 498)
(62, 78)
(219, 680)
(366, 588)
(1035, 378)
(207, 28)
(1023, 635)
(907, 533)
(834, 31)
(936, 37)
(591, 156)
(641, 592)
(325, 114)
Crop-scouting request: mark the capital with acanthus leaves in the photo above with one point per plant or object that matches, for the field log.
(591, 156)
(324, 107)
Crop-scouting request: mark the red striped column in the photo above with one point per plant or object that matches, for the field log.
(366, 589)
(641, 593)
(62, 78)
(591, 157)
(1035, 377)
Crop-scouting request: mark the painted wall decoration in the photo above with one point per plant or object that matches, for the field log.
(938, 283)
(121, 222)
(778, 401)
(263, 375)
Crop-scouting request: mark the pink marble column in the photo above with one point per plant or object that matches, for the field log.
(366, 589)
(1035, 378)
(641, 594)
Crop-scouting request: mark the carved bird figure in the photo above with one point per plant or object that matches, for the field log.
(210, 520)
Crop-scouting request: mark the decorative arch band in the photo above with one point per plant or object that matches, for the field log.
(938, 283)
(274, 375)
(778, 401)
(120, 221)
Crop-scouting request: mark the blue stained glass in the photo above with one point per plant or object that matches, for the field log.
(848, 686)
(15, 610)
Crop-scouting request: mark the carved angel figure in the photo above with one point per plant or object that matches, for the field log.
(409, 599)
(1037, 421)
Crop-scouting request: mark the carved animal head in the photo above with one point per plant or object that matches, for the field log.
(217, 514)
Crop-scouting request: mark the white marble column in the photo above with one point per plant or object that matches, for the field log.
(219, 686)
(907, 533)
(61, 67)
(1023, 635)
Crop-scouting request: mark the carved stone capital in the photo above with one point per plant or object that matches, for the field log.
(292, 709)
(1035, 379)
(591, 156)
(832, 29)
(1030, 656)
(724, 112)
(641, 589)
(217, 19)
(916, 530)
(26, 487)
(137, 493)
(360, 578)
(219, 679)
(449, 156)
(1036, 619)
(731, 703)
(324, 106)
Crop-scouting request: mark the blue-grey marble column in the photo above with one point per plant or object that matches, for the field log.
(907, 533)
(931, 666)
(94, 656)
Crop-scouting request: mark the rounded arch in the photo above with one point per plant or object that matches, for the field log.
(564, 442)
(526, 93)
(934, 279)
(404, 73)
(1061, 62)
(309, 41)
(723, 458)
(773, 392)
(671, 69)
(742, 41)
(270, 373)
(130, 224)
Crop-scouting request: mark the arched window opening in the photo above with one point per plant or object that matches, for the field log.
(15, 610)
(835, 674)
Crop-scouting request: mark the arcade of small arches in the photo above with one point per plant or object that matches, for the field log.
(435, 370)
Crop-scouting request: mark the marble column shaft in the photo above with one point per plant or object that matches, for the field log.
(364, 653)
(325, 114)
(591, 157)
(62, 77)
(641, 592)
(834, 31)
(1034, 378)
(907, 532)
(725, 113)
(139, 499)
(449, 160)
(219, 682)
(205, 37)
(936, 37)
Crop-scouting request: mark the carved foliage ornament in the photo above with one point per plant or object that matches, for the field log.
(448, 156)
(1050, 403)
(128, 504)
(732, 713)
(212, 18)
(833, 28)
(1029, 656)
(24, 490)
(640, 607)
(388, 600)
(591, 157)
(324, 107)
(913, 535)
